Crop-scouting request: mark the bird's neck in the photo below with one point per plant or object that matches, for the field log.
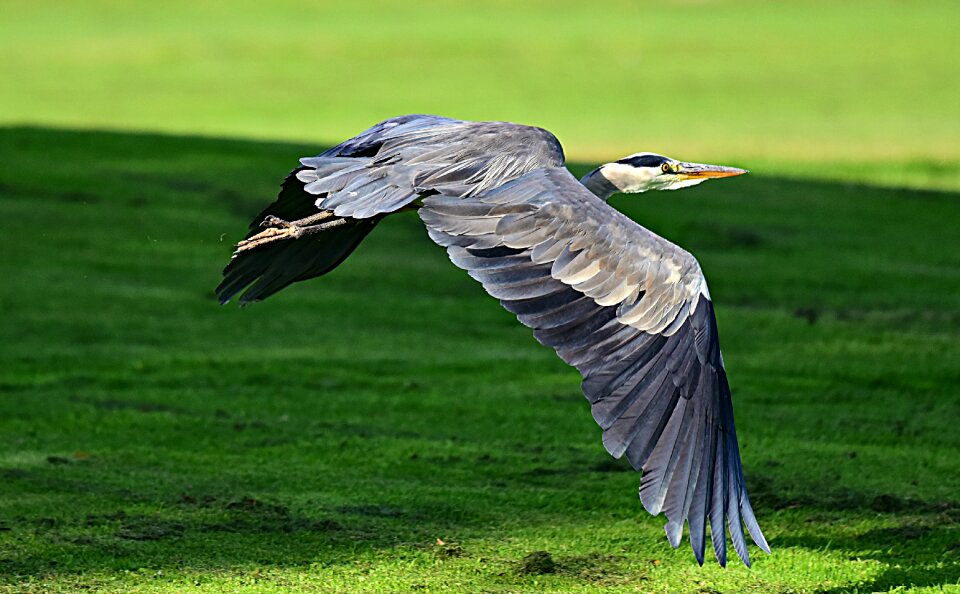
(598, 183)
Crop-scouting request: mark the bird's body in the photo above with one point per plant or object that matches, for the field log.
(630, 310)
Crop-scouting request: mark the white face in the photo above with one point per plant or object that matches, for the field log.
(641, 172)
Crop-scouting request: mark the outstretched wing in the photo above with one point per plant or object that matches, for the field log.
(398, 160)
(381, 171)
(631, 312)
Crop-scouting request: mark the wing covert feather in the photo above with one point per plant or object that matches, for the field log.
(395, 162)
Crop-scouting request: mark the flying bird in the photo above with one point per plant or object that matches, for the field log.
(627, 308)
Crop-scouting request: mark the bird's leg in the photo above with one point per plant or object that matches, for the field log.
(278, 229)
(272, 221)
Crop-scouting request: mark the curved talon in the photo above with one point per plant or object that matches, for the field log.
(272, 221)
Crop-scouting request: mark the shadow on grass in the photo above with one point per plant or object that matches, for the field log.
(105, 527)
(73, 515)
(921, 549)
(913, 554)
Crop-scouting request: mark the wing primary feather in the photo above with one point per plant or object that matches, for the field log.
(697, 516)
(664, 460)
(680, 494)
(634, 384)
(736, 469)
(653, 422)
(620, 423)
(753, 527)
(734, 520)
(718, 502)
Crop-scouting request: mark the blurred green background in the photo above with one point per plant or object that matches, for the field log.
(389, 428)
(864, 90)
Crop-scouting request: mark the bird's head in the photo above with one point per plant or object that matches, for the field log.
(648, 171)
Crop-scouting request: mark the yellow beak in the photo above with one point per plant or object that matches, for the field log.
(701, 171)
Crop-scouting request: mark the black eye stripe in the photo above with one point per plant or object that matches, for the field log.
(645, 161)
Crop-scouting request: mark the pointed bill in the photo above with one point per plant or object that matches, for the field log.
(703, 171)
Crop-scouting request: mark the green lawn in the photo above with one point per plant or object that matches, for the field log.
(322, 441)
(859, 89)
(389, 428)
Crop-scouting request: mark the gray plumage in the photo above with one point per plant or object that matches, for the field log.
(627, 308)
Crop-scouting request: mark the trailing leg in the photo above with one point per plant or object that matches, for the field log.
(278, 229)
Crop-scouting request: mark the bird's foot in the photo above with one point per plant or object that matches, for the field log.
(271, 234)
(278, 229)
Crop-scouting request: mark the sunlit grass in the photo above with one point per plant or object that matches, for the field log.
(324, 440)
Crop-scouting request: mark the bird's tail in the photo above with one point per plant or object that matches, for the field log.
(290, 241)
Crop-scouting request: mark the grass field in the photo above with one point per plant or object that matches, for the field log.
(389, 428)
(323, 441)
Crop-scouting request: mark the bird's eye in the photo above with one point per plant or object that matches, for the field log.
(667, 168)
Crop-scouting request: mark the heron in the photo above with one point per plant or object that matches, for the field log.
(628, 309)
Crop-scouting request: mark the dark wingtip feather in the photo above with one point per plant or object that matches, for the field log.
(234, 280)
(753, 527)
(698, 552)
(763, 544)
(719, 548)
(222, 297)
